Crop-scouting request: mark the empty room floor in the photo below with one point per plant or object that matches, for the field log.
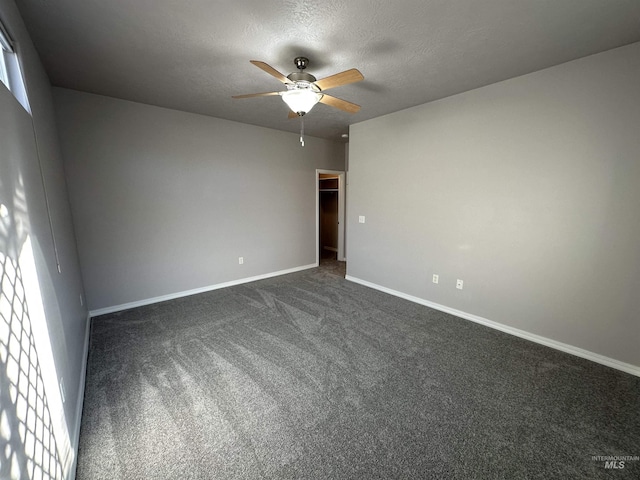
(310, 376)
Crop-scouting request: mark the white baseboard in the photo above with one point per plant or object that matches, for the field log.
(186, 293)
(564, 347)
(75, 439)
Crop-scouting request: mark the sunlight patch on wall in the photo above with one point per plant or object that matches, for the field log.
(34, 438)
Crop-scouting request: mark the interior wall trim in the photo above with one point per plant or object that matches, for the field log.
(75, 439)
(186, 293)
(564, 347)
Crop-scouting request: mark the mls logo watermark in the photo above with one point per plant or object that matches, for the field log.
(615, 462)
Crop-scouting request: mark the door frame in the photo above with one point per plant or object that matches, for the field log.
(341, 203)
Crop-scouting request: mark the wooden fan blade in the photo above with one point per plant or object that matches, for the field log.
(251, 95)
(270, 70)
(341, 104)
(342, 78)
(292, 114)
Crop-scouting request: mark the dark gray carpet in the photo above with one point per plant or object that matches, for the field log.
(309, 376)
(333, 266)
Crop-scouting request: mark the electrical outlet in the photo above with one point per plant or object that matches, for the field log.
(361, 219)
(436, 278)
(240, 260)
(459, 284)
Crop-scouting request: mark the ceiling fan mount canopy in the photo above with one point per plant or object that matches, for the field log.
(301, 62)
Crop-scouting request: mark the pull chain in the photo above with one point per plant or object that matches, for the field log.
(301, 130)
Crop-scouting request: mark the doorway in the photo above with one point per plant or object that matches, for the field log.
(330, 231)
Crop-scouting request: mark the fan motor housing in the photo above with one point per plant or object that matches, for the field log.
(301, 76)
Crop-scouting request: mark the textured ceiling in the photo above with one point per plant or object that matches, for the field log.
(193, 55)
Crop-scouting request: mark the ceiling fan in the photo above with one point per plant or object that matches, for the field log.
(304, 91)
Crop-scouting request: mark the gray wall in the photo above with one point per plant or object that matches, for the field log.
(528, 190)
(29, 144)
(166, 201)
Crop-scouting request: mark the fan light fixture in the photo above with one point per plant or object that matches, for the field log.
(301, 100)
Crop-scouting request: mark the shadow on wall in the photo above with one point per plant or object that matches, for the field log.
(34, 438)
